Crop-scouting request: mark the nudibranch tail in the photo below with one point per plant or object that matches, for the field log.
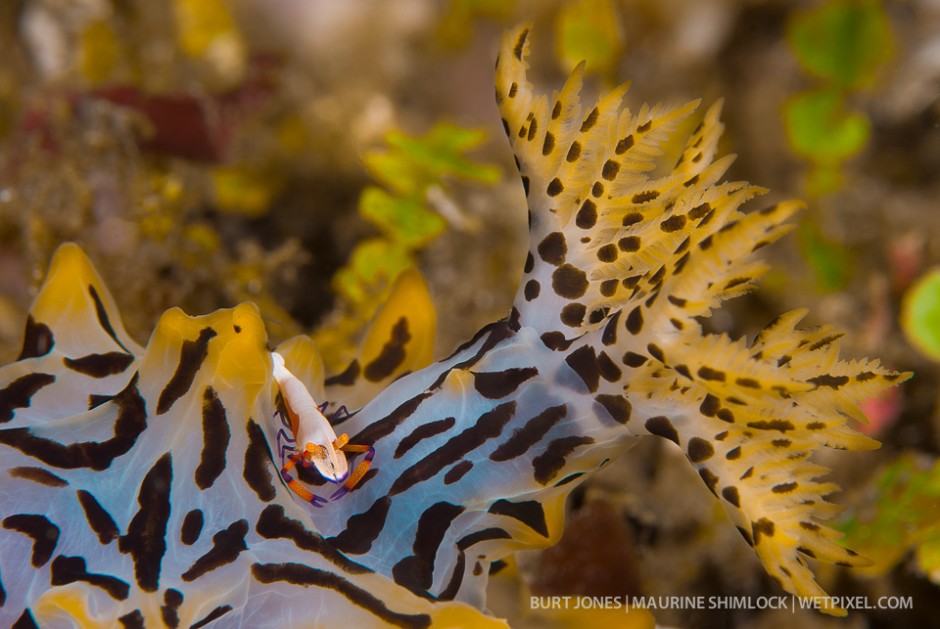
(621, 264)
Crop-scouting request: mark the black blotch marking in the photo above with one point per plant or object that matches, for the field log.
(348, 376)
(524, 438)
(699, 211)
(19, 393)
(495, 385)
(646, 126)
(362, 529)
(731, 495)
(25, 621)
(172, 599)
(609, 288)
(574, 152)
(274, 524)
(700, 450)
(733, 454)
(384, 427)
(643, 197)
(783, 488)
(416, 572)
(635, 320)
(662, 427)
(226, 546)
(609, 336)
(629, 244)
(132, 620)
(782, 425)
(587, 215)
(555, 187)
(547, 465)
(610, 170)
(520, 44)
(529, 263)
(97, 455)
(656, 352)
(584, 363)
(497, 566)
(607, 253)
(597, 189)
(424, 431)
(483, 535)
(191, 528)
(145, 540)
(98, 518)
(215, 438)
(525, 185)
(617, 405)
(488, 426)
(827, 380)
(456, 578)
(763, 527)
(529, 512)
(514, 318)
(38, 475)
(37, 341)
(100, 365)
(553, 248)
(103, 319)
(572, 315)
(44, 533)
(457, 472)
(608, 368)
(673, 224)
(299, 574)
(192, 355)
(392, 355)
(258, 463)
(707, 373)
(569, 281)
(624, 145)
(631, 219)
(555, 341)
(95, 400)
(549, 144)
(709, 478)
(532, 290)
(590, 121)
(556, 110)
(67, 570)
(215, 614)
(632, 359)
(710, 405)
(513, 89)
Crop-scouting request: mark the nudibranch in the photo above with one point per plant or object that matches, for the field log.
(142, 486)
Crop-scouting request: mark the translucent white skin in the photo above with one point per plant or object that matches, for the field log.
(312, 428)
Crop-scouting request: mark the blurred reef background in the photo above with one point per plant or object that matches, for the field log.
(303, 153)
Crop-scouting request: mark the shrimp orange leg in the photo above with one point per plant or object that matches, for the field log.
(356, 475)
(295, 485)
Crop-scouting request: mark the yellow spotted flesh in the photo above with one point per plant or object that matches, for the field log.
(141, 486)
